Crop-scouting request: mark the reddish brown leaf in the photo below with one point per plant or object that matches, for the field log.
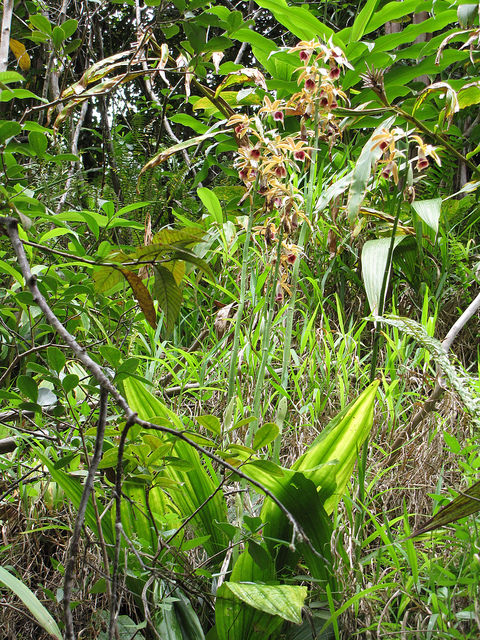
(142, 296)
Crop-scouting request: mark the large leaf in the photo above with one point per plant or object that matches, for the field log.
(298, 20)
(143, 296)
(339, 443)
(299, 496)
(465, 504)
(429, 211)
(73, 490)
(163, 155)
(326, 466)
(32, 603)
(105, 278)
(361, 21)
(195, 486)
(235, 619)
(374, 265)
(285, 601)
(168, 294)
(211, 203)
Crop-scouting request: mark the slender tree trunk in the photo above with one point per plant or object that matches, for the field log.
(5, 38)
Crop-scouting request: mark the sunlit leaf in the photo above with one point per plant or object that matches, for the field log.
(265, 435)
(429, 211)
(281, 600)
(104, 278)
(211, 203)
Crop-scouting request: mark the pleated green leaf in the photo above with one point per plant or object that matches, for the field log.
(285, 601)
(195, 486)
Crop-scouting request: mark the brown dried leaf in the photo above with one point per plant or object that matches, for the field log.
(222, 319)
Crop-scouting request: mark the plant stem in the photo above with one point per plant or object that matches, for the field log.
(386, 276)
(266, 343)
(241, 305)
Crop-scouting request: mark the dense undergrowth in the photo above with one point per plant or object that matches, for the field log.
(239, 321)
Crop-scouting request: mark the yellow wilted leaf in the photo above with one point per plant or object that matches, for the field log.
(20, 53)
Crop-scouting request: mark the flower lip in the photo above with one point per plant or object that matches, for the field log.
(334, 73)
(278, 116)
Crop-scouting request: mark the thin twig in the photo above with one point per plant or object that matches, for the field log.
(75, 539)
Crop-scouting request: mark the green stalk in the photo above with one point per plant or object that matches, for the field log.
(241, 304)
(294, 281)
(386, 276)
(266, 342)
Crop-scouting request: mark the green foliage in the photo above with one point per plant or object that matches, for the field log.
(322, 179)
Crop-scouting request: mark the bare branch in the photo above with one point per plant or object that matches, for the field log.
(75, 539)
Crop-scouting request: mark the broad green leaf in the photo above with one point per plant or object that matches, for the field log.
(324, 469)
(39, 143)
(374, 265)
(192, 258)
(177, 267)
(58, 36)
(168, 294)
(189, 121)
(41, 23)
(6, 267)
(211, 203)
(339, 443)
(69, 382)
(69, 27)
(285, 601)
(298, 20)
(28, 387)
(56, 358)
(6, 77)
(212, 423)
(265, 435)
(32, 603)
(142, 296)
(196, 487)
(429, 211)
(469, 95)
(236, 620)
(179, 237)
(362, 19)
(20, 94)
(299, 496)
(105, 278)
